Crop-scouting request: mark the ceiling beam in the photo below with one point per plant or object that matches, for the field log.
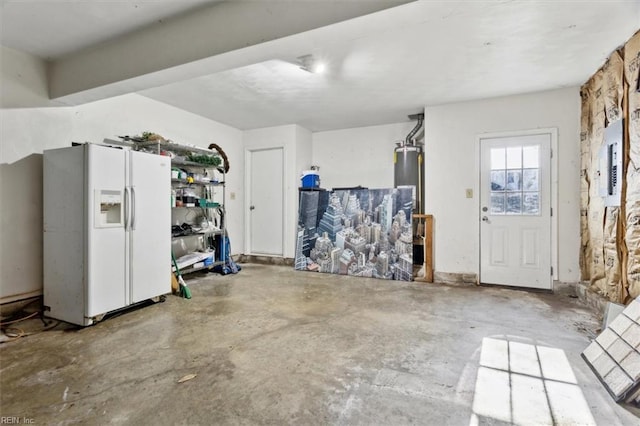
(202, 42)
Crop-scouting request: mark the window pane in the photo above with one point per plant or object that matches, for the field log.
(531, 203)
(514, 157)
(514, 180)
(514, 203)
(497, 180)
(530, 180)
(497, 203)
(530, 157)
(497, 158)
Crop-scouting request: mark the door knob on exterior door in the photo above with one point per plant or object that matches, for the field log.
(485, 219)
(252, 207)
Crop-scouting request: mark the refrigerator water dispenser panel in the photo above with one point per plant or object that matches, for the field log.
(109, 212)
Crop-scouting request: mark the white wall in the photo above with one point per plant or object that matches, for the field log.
(360, 156)
(24, 80)
(296, 144)
(451, 166)
(25, 133)
(304, 139)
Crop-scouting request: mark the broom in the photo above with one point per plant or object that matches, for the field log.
(184, 289)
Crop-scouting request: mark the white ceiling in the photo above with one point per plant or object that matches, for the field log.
(54, 28)
(382, 66)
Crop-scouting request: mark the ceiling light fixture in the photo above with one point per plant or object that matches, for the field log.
(311, 64)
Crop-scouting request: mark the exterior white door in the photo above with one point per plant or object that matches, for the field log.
(266, 202)
(515, 211)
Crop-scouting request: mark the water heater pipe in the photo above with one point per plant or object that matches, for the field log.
(420, 118)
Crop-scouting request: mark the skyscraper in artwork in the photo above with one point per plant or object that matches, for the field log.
(331, 221)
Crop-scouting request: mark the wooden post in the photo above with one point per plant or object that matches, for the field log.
(428, 246)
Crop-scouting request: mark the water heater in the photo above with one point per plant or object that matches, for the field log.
(407, 169)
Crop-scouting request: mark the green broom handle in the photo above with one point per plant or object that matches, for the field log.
(173, 258)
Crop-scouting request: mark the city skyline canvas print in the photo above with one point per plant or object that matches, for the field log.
(359, 232)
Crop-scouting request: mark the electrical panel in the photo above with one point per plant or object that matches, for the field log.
(610, 173)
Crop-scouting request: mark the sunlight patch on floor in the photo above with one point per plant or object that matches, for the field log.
(524, 384)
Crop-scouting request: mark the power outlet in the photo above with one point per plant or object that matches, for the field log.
(469, 193)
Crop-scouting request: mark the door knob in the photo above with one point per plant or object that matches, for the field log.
(252, 207)
(485, 219)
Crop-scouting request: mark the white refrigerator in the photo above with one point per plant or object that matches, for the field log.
(107, 240)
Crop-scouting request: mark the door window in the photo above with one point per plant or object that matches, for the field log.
(515, 188)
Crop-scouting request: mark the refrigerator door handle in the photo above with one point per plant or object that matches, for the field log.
(133, 208)
(127, 208)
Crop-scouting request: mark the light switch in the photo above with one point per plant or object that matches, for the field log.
(469, 192)
(232, 195)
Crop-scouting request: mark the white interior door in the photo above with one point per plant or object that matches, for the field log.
(515, 211)
(150, 236)
(266, 198)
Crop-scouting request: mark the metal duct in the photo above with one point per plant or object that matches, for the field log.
(420, 118)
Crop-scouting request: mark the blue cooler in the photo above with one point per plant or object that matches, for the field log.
(310, 179)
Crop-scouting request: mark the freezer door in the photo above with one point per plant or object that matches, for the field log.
(150, 236)
(106, 240)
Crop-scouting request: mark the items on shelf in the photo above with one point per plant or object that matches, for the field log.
(225, 159)
(195, 260)
(179, 153)
(209, 160)
(197, 197)
(183, 176)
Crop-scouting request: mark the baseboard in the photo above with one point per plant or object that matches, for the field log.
(592, 299)
(456, 278)
(266, 260)
(580, 290)
(19, 297)
(10, 308)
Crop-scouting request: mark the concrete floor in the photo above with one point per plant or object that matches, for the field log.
(275, 346)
